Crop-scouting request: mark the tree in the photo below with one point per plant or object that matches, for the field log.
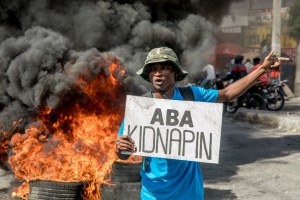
(294, 19)
(294, 24)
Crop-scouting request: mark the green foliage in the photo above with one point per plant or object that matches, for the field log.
(294, 20)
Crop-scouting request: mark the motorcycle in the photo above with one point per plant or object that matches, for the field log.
(250, 100)
(275, 96)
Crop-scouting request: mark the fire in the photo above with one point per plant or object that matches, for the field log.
(74, 142)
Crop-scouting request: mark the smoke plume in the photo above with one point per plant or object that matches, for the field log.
(46, 44)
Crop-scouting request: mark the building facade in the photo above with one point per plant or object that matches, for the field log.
(252, 21)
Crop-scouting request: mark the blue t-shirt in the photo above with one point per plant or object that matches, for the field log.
(166, 179)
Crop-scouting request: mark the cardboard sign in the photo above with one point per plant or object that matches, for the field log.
(183, 130)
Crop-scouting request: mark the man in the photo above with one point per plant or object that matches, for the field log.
(274, 75)
(263, 79)
(238, 70)
(248, 65)
(166, 179)
(209, 70)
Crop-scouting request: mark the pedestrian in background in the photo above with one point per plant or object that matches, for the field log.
(210, 75)
(274, 75)
(248, 64)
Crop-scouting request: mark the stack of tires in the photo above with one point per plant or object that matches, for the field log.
(50, 190)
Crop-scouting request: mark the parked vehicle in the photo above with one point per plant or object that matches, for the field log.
(274, 95)
(250, 100)
(216, 83)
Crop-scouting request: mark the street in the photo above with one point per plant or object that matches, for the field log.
(256, 162)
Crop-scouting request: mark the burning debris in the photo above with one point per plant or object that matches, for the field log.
(72, 103)
(62, 97)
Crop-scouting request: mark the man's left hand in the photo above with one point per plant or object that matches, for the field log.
(272, 62)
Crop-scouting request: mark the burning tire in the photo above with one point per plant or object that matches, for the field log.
(50, 190)
(126, 172)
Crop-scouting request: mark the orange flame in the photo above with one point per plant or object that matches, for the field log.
(74, 142)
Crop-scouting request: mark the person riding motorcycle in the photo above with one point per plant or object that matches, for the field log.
(237, 71)
(263, 80)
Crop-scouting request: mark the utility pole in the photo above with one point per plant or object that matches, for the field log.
(276, 34)
(276, 27)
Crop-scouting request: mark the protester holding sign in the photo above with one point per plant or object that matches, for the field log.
(163, 178)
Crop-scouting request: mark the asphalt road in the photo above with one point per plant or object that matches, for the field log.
(256, 162)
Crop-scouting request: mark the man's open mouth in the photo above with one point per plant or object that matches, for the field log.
(159, 81)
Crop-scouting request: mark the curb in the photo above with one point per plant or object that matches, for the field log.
(285, 121)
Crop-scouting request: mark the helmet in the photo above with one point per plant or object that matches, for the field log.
(162, 54)
(238, 59)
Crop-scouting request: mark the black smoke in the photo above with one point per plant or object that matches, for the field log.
(40, 39)
(129, 28)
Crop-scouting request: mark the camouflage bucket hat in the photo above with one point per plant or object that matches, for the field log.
(162, 54)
